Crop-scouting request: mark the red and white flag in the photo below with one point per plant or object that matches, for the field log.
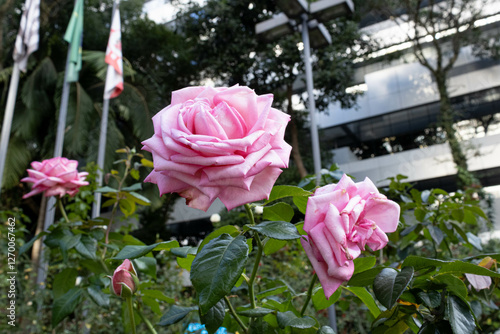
(114, 76)
(27, 36)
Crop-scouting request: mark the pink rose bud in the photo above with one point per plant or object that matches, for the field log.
(124, 280)
(224, 143)
(55, 177)
(341, 220)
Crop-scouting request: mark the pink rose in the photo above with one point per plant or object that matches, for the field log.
(218, 142)
(124, 276)
(341, 219)
(56, 176)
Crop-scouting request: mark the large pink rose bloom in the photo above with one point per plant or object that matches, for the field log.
(56, 177)
(341, 220)
(218, 142)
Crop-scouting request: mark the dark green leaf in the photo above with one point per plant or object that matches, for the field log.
(255, 312)
(133, 252)
(30, 243)
(277, 230)
(436, 234)
(419, 214)
(87, 247)
(65, 305)
(166, 245)
(325, 330)
(286, 191)
(175, 314)
(459, 315)
(146, 265)
(474, 240)
(431, 298)
(390, 284)
(288, 318)
(418, 262)
(452, 283)
(99, 297)
(271, 292)
(364, 278)
(458, 214)
(214, 317)
(217, 267)
(64, 281)
(229, 229)
(278, 211)
(184, 251)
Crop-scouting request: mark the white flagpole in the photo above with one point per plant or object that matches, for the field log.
(7, 120)
(96, 206)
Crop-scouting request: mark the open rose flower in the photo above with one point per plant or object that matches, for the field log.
(124, 277)
(56, 177)
(218, 142)
(341, 220)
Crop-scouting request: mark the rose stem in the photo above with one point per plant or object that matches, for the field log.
(233, 313)
(258, 256)
(309, 294)
(131, 313)
(61, 208)
(147, 322)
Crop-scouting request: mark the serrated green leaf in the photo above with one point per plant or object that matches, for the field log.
(418, 262)
(65, 305)
(272, 292)
(217, 267)
(64, 281)
(280, 230)
(390, 284)
(289, 319)
(87, 247)
(301, 203)
(279, 211)
(175, 314)
(452, 283)
(229, 229)
(99, 297)
(255, 312)
(431, 298)
(214, 317)
(459, 316)
(365, 278)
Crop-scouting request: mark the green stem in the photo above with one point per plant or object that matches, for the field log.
(249, 211)
(235, 316)
(309, 294)
(258, 256)
(147, 322)
(61, 208)
(130, 306)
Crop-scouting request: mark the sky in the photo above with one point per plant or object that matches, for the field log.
(162, 11)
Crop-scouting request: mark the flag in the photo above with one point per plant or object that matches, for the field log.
(114, 76)
(27, 37)
(74, 36)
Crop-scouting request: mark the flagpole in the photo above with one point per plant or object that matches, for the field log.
(7, 120)
(96, 206)
(50, 211)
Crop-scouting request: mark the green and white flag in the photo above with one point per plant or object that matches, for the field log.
(74, 36)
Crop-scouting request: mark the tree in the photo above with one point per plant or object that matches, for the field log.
(443, 27)
(229, 52)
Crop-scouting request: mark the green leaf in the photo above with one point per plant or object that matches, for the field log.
(273, 245)
(390, 284)
(139, 199)
(134, 187)
(106, 189)
(319, 299)
(452, 283)
(255, 312)
(146, 265)
(229, 229)
(135, 174)
(418, 262)
(166, 245)
(64, 281)
(431, 298)
(364, 263)
(65, 305)
(458, 214)
(459, 316)
(286, 191)
(272, 292)
(175, 314)
(325, 330)
(277, 230)
(474, 240)
(99, 297)
(152, 303)
(133, 252)
(217, 267)
(364, 278)
(288, 318)
(301, 203)
(157, 294)
(30, 243)
(366, 298)
(278, 211)
(436, 234)
(419, 214)
(184, 251)
(185, 263)
(461, 267)
(214, 317)
(87, 247)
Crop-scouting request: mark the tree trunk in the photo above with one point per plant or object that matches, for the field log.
(464, 177)
(294, 132)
